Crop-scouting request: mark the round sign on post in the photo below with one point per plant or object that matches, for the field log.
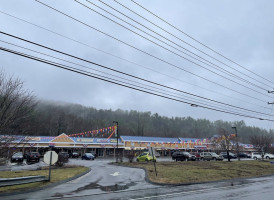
(54, 157)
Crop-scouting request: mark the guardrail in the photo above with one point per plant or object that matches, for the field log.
(21, 180)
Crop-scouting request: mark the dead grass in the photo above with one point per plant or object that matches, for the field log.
(56, 175)
(191, 172)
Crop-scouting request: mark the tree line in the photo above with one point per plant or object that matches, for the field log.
(22, 114)
(53, 118)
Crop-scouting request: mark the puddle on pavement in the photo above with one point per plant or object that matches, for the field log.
(58, 195)
(110, 188)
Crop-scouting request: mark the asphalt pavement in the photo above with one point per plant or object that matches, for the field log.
(106, 181)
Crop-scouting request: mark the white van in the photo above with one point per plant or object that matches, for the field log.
(256, 156)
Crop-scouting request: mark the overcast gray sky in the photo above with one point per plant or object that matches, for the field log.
(241, 30)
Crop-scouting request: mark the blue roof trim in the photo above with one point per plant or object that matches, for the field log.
(148, 139)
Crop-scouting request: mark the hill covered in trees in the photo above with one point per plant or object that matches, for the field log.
(51, 118)
(22, 114)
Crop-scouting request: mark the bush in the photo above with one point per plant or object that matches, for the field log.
(62, 158)
(130, 156)
(3, 161)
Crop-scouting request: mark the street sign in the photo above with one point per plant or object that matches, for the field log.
(54, 157)
(151, 151)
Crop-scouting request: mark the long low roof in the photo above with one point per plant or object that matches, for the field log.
(63, 138)
(148, 139)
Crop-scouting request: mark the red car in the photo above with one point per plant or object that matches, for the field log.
(197, 155)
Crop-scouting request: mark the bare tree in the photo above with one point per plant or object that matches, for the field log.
(224, 141)
(16, 106)
(262, 142)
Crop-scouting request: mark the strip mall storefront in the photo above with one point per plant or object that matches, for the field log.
(107, 147)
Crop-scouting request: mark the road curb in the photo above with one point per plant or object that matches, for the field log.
(192, 183)
(46, 186)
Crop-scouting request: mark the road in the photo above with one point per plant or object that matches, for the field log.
(114, 182)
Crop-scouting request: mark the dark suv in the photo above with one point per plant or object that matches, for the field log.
(180, 156)
(74, 155)
(33, 156)
(231, 155)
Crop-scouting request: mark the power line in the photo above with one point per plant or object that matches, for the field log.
(106, 34)
(102, 72)
(84, 44)
(191, 61)
(117, 71)
(218, 67)
(198, 41)
(117, 83)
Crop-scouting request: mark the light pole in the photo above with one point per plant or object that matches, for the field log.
(237, 142)
(117, 136)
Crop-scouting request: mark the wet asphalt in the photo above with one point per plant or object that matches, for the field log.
(106, 181)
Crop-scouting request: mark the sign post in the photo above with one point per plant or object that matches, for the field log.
(117, 136)
(50, 158)
(152, 152)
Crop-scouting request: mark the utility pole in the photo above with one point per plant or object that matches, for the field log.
(237, 142)
(117, 136)
(272, 93)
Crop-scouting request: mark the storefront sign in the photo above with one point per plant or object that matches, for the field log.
(85, 140)
(32, 138)
(51, 145)
(102, 140)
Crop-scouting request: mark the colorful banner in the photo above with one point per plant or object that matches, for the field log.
(107, 130)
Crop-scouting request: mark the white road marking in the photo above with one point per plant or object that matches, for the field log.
(115, 174)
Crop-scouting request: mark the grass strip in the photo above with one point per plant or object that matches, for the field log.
(56, 176)
(203, 171)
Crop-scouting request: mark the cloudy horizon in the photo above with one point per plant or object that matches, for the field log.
(241, 31)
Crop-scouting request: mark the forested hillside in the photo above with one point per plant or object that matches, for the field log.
(51, 118)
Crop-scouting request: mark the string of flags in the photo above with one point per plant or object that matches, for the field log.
(107, 130)
(223, 137)
(103, 131)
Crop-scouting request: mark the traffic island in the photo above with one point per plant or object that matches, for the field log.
(203, 171)
(58, 175)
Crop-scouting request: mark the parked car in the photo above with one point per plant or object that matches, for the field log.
(231, 155)
(206, 156)
(74, 155)
(26, 155)
(216, 156)
(94, 154)
(210, 156)
(197, 155)
(17, 157)
(256, 156)
(88, 156)
(33, 156)
(244, 155)
(268, 156)
(157, 154)
(145, 157)
(181, 156)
